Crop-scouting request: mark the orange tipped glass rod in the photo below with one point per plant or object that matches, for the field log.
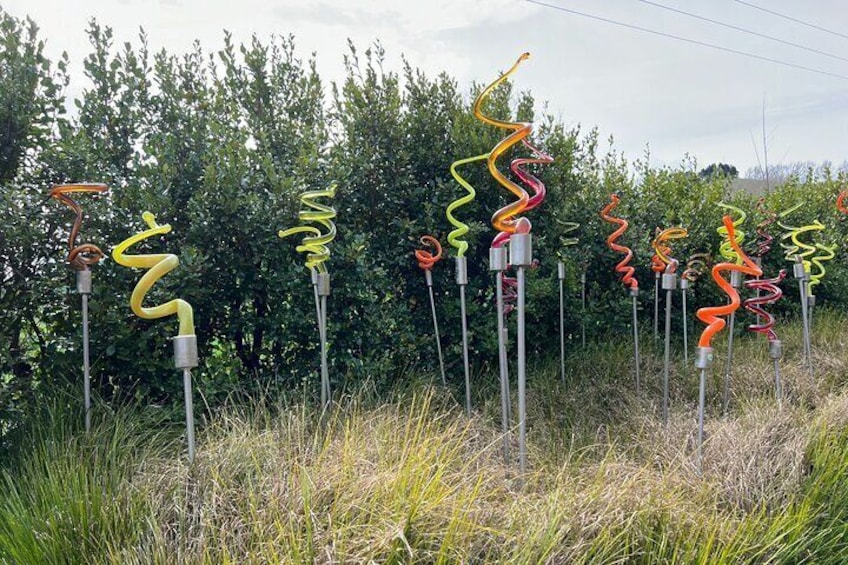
(626, 270)
(727, 249)
(426, 260)
(80, 258)
(712, 316)
(669, 285)
(510, 224)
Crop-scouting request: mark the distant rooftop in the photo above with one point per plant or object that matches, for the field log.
(755, 187)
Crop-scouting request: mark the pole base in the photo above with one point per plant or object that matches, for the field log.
(185, 351)
(703, 357)
(735, 279)
(461, 271)
(498, 259)
(521, 249)
(84, 281)
(775, 349)
(323, 282)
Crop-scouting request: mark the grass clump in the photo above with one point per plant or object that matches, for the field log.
(412, 479)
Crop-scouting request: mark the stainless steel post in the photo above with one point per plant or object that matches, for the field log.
(462, 281)
(634, 292)
(428, 276)
(561, 277)
(735, 282)
(811, 301)
(185, 358)
(323, 287)
(758, 261)
(84, 289)
(801, 274)
(498, 263)
(583, 300)
(521, 255)
(319, 317)
(669, 284)
(703, 360)
(656, 304)
(776, 352)
(684, 287)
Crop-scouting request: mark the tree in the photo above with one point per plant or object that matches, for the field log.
(719, 169)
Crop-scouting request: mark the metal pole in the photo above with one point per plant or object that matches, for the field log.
(811, 301)
(669, 283)
(504, 367)
(703, 360)
(656, 304)
(84, 289)
(325, 373)
(561, 276)
(498, 263)
(583, 300)
(702, 388)
(521, 255)
(320, 321)
(684, 286)
(323, 287)
(429, 278)
(185, 358)
(801, 274)
(85, 364)
(776, 352)
(522, 376)
(189, 409)
(735, 282)
(462, 280)
(634, 292)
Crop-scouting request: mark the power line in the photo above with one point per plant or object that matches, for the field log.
(743, 30)
(687, 40)
(791, 19)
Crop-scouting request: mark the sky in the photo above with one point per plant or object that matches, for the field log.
(647, 91)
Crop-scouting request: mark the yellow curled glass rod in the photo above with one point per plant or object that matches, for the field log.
(667, 234)
(828, 253)
(789, 250)
(159, 265)
(461, 228)
(315, 245)
(808, 248)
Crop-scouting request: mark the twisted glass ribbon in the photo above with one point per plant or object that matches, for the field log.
(315, 245)
(159, 265)
(507, 218)
(764, 238)
(461, 228)
(663, 250)
(695, 266)
(789, 250)
(769, 294)
(727, 249)
(425, 258)
(623, 267)
(711, 315)
(84, 255)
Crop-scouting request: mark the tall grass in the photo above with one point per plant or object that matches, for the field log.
(414, 480)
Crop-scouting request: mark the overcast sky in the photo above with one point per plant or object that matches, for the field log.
(676, 97)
